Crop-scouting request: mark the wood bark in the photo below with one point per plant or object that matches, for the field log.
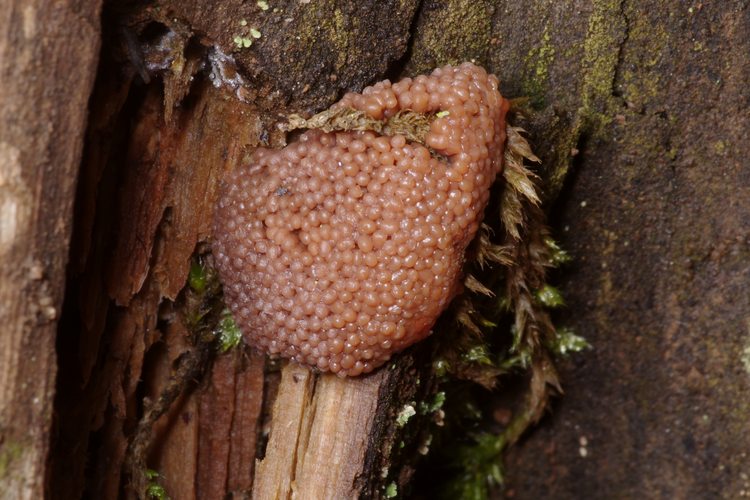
(639, 113)
(657, 216)
(48, 56)
(157, 147)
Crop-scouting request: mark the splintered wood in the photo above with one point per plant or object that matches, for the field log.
(319, 436)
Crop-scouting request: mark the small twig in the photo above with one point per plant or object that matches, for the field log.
(190, 366)
(201, 310)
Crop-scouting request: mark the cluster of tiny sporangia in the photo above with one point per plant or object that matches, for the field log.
(345, 247)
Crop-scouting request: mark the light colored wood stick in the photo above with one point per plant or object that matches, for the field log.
(324, 429)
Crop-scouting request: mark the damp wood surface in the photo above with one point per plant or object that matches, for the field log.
(152, 216)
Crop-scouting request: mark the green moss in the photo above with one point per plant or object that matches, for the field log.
(228, 333)
(537, 64)
(244, 39)
(154, 490)
(198, 277)
(405, 414)
(567, 342)
(391, 491)
(324, 25)
(457, 31)
(433, 406)
(549, 296)
(601, 50)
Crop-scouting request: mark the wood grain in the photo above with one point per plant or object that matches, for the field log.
(48, 57)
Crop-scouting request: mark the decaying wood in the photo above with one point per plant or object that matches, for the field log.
(624, 90)
(318, 436)
(337, 437)
(150, 174)
(48, 57)
(156, 213)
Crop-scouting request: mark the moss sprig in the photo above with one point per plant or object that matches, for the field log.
(154, 490)
(412, 125)
(502, 324)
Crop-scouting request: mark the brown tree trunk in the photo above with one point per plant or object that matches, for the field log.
(657, 217)
(639, 113)
(48, 57)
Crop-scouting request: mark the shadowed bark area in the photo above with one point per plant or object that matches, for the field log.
(48, 57)
(638, 110)
(657, 216)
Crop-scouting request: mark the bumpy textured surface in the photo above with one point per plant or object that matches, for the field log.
(343, 248)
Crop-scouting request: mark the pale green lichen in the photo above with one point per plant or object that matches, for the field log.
(324, 23)
(405, 414)
(596, 102)
(641, 83)
(606, 28)
(391, 491)
(451, 33)
(538, 61)
(262, 4)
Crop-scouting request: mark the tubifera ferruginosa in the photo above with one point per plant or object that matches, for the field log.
(344, 247)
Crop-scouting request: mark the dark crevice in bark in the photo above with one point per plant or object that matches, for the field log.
(396, 68)
(620, 51)
(557, 209)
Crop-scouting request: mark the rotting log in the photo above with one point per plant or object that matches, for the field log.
(622, 91)
(157, 146)
(48, 56)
